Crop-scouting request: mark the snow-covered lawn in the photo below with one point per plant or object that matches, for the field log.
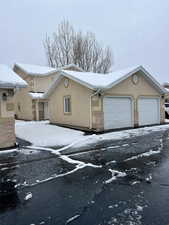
(44, 134)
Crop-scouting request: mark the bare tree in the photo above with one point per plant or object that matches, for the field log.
(69, 47)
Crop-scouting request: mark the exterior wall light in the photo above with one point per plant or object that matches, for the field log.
(4, 97)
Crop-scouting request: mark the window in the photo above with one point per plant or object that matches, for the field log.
(67, 104)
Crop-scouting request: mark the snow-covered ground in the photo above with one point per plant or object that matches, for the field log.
(44, 134)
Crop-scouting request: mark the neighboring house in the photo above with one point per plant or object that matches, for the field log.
(9, 84)
(30, 103)
(166, 86)
(121, 99)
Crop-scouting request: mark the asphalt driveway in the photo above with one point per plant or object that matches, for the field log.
(50, 189)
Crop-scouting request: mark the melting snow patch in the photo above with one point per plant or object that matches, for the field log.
(139, 208)
(115, 174)
(5, 168)
(146, 154)
(8, 151)
(111, 147)
(28, 196)
(111, 162)
(72, 218)
(149, 178)
(125, 145)
(135, 182)
(79, 165)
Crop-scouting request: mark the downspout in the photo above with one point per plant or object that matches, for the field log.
(95, 93)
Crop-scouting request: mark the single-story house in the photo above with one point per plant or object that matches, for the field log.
(121, 99)
(9, 85)
(30, 103)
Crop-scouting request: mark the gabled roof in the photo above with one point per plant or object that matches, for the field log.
(35, 70)
(9, 79)
(97, 81)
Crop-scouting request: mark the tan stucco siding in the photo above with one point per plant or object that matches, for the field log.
(162, 110)
(142, 88)
(127, 87)
(41, 84)
(80, 98)
(7, 122)
(36, 83)
(7, 132)
(6, 107)
(24, 101)
(22, 97)
(80, 105)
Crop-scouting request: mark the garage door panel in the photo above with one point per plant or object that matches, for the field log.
(149, 111)
(117, 112)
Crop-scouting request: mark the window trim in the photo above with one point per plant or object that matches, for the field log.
(64, 105)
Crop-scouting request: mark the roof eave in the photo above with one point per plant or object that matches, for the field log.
(35, 74)
(11, 87)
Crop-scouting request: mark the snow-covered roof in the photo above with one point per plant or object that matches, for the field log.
(67, 67)
(9, 79)
(167, 90)
(97, 81)
(166, 85)
(36, 95)
(36, 70)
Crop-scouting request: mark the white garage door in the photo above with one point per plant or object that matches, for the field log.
(149, 111)
(117, 112)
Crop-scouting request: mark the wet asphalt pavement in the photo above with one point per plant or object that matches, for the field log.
(43, 196)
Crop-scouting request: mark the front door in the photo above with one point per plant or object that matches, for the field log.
(41, 111)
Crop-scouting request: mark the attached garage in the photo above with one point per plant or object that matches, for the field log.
(148, 111)
(118, 112)
(121, 99)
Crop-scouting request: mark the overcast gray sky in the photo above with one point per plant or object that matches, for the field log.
(137, 31)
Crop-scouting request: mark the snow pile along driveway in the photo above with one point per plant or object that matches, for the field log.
(44, 134)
